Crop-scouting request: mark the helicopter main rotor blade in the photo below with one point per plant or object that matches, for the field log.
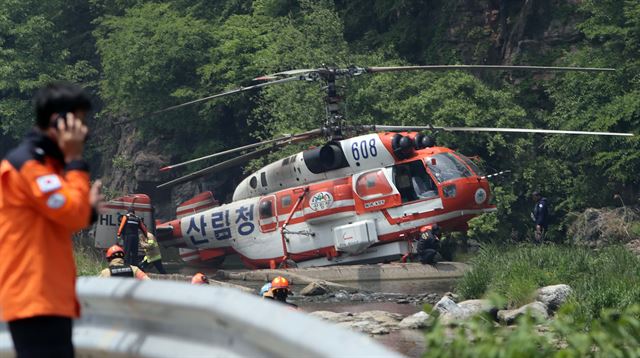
(489, 129)
(216, 167)
(282, 74)
(285, 138)
(483, 67)
(315, 74)
(240, 159)
(230, 92)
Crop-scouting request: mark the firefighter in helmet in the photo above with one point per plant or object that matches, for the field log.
(429, 244)
(199, 279)
(279, 291)
(118, 268)
(152, 253)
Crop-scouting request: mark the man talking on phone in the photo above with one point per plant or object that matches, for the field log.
(45, 196)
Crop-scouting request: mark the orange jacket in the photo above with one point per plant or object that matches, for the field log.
(41, 205)
(135, 222)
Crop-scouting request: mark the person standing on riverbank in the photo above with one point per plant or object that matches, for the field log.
(129, 226)
(540, 216)
(45, 197)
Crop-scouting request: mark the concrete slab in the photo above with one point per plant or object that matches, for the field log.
(394, 271)
(187, 279)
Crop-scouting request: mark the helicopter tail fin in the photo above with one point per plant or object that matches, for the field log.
(109, 219)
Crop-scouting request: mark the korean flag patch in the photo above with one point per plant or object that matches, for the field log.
(48, 183)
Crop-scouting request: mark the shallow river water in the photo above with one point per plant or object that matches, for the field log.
(407, 342)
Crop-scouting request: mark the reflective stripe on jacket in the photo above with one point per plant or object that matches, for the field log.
(117, 263)
(130, 224)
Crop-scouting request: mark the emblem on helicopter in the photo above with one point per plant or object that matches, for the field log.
(321, 201)
(480, 196)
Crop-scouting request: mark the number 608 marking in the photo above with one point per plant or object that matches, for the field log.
(364, 149)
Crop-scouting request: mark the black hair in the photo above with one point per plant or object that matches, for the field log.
(59, 97)
(536, 193)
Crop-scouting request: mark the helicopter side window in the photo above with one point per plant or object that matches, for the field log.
(372, 185)
(263, 179)
(413, 182)
(445, 166)
(266, 208)
(286, 201)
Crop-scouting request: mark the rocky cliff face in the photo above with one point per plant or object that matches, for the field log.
(129, 163)
(504, 31)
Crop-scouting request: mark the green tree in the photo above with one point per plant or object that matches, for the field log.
(36, 43)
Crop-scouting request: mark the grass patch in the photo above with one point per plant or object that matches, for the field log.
(89, 261)
(606, 278)
(612, 334)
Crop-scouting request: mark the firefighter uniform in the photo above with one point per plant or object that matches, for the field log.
(428, 246)
(129, 226)
(42, 203)
(118, 268)
(152, 254)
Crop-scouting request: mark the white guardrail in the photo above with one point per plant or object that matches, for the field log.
(131, 318)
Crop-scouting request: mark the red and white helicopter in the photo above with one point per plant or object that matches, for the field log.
(356, 199)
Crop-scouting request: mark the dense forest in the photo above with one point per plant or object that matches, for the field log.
(137, 56)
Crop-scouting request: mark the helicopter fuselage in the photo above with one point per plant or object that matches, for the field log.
(354, 201)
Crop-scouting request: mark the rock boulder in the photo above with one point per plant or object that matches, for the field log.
(371, 322)
(415, 321)
(315, 288)
(554, 296)
(450, 311)
(537, 309)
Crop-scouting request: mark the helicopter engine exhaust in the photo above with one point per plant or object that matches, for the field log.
(325, 158)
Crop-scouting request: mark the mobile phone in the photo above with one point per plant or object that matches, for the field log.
(62, 117)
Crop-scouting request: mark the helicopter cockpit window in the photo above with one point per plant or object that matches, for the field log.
(413, 182)
(447, 167)
(476, 169)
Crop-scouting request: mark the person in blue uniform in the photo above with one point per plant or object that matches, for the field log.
(540, 216)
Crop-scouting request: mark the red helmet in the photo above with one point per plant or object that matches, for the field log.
(279, 282)
(200, 279)
(115, 251)
(425, 228)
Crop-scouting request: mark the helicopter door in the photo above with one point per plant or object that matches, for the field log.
(374, 191)
(418, 191)
(413, 182)
(268, 218)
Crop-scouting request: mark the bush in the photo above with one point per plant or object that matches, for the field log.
(596, 227)
(89, 262)
(607, 278)
(613, 334)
